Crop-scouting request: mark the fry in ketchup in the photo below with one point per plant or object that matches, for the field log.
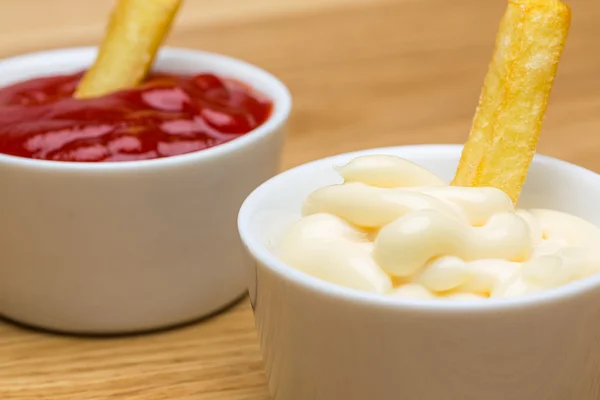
(116, 111)
(136, 30)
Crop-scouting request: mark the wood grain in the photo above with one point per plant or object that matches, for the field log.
(363, 73)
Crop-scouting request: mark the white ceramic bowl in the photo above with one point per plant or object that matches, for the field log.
(129, 246)
(322, 341)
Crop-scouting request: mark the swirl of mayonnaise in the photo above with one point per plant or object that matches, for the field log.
(395, 228)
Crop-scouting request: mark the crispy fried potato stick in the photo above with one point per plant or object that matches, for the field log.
(515, 94)
(136, 30)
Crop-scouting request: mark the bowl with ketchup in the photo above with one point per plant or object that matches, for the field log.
(118, 212)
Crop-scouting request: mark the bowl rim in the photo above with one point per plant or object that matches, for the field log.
(317, 286)
(281, 98)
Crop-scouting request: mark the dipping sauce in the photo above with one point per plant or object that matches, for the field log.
(166, 116)
(395, 228)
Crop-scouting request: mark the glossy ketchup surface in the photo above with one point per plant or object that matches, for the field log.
(166, 116)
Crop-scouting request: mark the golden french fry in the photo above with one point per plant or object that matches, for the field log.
(515, 94)
(136, 30)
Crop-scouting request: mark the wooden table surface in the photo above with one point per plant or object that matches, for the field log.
(363, 73)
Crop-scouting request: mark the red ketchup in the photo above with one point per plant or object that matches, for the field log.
(166, 116)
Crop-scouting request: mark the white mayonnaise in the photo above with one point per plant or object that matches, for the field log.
(395, 228)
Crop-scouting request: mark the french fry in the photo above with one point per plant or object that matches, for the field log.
(508, 120)
(136, 30)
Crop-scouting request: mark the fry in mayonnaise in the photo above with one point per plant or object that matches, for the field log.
(508, 120)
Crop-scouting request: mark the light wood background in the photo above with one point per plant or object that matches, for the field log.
(363, 73)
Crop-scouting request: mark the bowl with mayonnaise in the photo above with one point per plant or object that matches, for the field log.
(374, 278)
